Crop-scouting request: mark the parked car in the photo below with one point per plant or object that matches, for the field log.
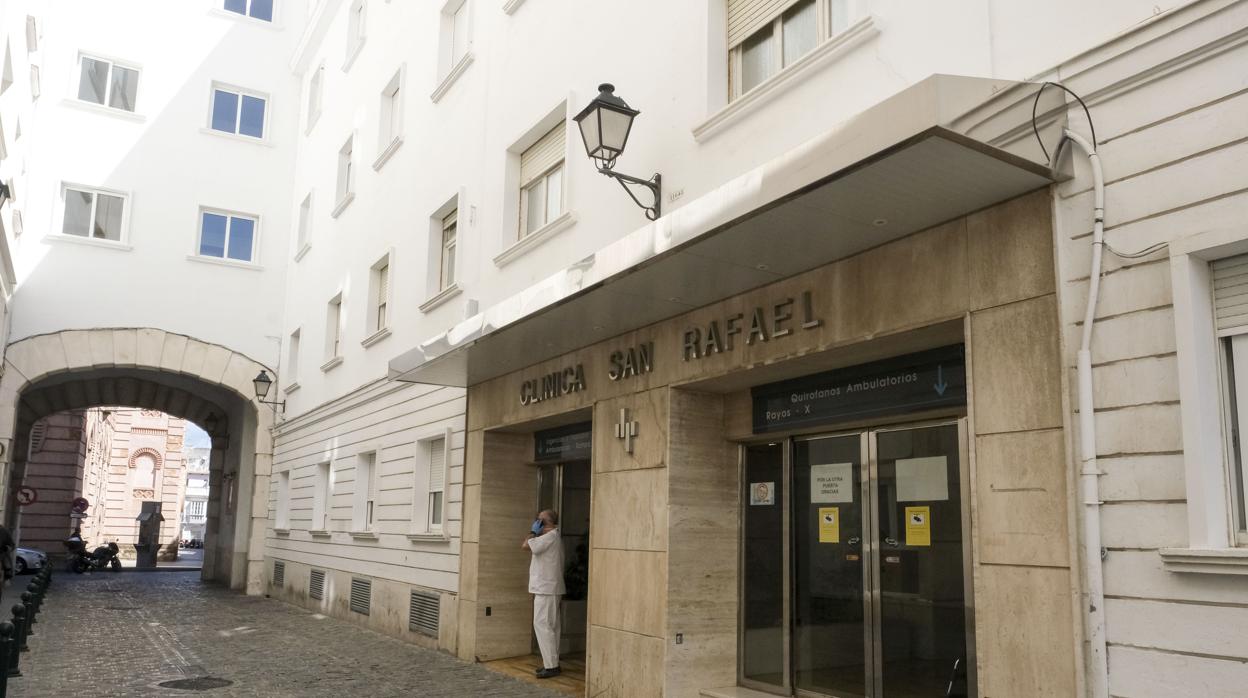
(29, 559)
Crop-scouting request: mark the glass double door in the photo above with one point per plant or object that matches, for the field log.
(854, 565)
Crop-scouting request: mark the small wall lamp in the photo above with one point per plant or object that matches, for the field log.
(262, 384)
(605, 125)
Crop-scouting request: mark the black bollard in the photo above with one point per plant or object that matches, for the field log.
(28, 619)
(6, 649)
(15, 650)
(35, 597)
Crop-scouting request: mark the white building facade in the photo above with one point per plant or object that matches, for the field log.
(387, 205)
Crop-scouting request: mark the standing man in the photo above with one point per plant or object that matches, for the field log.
(546, 586)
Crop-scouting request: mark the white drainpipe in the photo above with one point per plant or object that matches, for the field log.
(1098, 679)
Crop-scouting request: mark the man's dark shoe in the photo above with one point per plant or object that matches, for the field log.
(548, 673)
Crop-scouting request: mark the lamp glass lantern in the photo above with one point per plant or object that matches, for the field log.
(262, 384)
(605, 124)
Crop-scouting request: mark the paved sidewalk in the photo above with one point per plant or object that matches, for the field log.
(120, 634)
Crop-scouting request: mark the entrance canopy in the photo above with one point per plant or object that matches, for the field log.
(900, 167)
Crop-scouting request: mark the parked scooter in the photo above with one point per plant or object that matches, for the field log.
(104, 556)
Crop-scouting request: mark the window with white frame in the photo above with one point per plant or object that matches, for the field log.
(365, 491)
(450, 225)
(436, 454)
(95, 214)
(390, 127)
(227, 236)
(283, 499)
(239, 112)
(541, 181)
(767, 36)
(455, 38)
(1230, 305)
(316, 87)
(4, 151)
(32, 34)
(36, 88)
(379, 295)
(355, 32)
(346, 171)
(292, 356)
(321, 498)
(305, 222)
(257, 9)
(6, 73)
(333, 328)
(105, 83)
(459, 33)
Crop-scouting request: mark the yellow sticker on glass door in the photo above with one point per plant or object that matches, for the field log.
(829, 524)
(919, 526)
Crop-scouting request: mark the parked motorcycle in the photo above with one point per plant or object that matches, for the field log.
(104, 556)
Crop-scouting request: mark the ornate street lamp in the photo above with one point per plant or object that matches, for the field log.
(262, 384)
(605, 125)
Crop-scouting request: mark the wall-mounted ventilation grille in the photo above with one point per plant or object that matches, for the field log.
(279, 573)
(37, 435)
(422, 615)
(316, 584)
(361, 595)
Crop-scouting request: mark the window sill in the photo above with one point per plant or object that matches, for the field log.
(342, 205)
(375, 337)
(385, 154)
(91, 242)
(101, 109)
(834, 48)
(535, 238)
(355, 53)
(445, 86)
(363, 535)
(331, 364)
(235, 137)
(319, 534)
(440, 297)
(302, 251)
(290, 388)
(225, 262)
(512, 5)
(430, 537)
(282, 531)
(1206, 561)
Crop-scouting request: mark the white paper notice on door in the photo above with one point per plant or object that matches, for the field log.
(831, 483)
(922, 479)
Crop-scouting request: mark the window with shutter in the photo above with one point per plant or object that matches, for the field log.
(361, 595)
(1230, 316)
(450, 226)
(541, 180)
(767, 36)
(437, 480)
(316, 585)
(1230, 295)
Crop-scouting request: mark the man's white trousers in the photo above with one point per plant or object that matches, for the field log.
(546, 627)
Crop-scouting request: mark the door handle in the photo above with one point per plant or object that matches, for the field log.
(892, 541)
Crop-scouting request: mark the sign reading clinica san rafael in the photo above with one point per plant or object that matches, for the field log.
(910, 383)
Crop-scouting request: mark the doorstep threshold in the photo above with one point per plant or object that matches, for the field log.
(734, 692)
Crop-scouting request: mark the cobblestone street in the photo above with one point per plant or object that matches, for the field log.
(122, 634)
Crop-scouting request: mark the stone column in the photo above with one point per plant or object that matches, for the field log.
(217, 484)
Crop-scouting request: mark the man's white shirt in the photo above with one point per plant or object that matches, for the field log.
(546, 566)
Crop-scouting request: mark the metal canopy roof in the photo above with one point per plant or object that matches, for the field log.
(898, 161)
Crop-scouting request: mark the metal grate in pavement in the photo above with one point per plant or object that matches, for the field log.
(199, 683)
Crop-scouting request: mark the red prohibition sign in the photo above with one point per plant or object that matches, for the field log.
(80, 505)
(27, 496)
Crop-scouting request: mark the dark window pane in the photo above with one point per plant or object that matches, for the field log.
(124, 88)
(763, 620)
(212, 236)
(224, 111)
(239, 6)
(242, 230)
(77, 213)
(262, 9)
(252, 122)
(107, 217)
(91, 87)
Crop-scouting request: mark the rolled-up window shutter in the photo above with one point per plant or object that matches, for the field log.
(1230, 295)
(437, 464)
(748, 16)
(542, 155)
(383, 283)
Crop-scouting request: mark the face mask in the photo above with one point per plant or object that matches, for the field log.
(537, 527)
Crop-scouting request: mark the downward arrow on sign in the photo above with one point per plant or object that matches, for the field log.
(940, 385)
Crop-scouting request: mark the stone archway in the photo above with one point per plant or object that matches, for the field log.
(154, 369)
